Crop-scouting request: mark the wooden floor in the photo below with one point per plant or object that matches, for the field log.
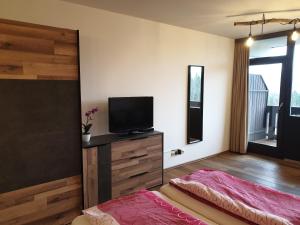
(275, 173)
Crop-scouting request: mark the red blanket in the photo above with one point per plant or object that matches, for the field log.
(141, 208)
(258, 204)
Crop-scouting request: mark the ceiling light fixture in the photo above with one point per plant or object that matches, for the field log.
(261, 12)
(263, 21)
(295, 34)
(250, 39)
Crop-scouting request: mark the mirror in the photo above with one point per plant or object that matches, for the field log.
(195, 104)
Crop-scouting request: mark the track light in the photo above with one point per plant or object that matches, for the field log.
(250, 39)
(295, 34)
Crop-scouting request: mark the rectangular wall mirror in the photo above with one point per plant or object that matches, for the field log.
(195, 104)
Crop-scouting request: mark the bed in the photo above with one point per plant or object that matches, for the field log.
(209, 197)
(83, 220)
(198, 207)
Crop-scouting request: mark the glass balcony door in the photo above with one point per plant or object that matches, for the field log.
(264, 106)
(265, 95)
(274, 98)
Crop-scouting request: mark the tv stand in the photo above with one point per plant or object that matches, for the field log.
(106, 157)
(135, 132)
(147, 130)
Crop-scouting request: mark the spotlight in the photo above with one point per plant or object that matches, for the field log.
(295, 34)
(250, 39)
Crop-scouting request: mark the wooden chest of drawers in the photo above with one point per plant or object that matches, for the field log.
(136, 164)
(122, 167)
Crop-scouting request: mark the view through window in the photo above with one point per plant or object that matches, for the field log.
(264, 93)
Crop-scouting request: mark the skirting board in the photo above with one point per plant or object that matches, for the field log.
(207, 157)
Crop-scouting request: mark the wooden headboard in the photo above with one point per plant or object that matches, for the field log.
(40, 138)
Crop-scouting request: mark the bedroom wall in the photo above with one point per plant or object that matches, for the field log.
(128, 56)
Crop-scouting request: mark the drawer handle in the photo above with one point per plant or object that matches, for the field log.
(138, 138)
(138, 156)
(139, 174)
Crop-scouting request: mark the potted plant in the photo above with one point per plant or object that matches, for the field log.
(86, 135)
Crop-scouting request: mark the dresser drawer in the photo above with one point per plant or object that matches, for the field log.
(135, 183)
(130, 149)
(124, 169)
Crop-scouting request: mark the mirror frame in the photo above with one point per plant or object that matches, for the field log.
(188, 103)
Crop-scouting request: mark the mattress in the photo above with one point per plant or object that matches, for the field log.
(198, 207)
(82, 220)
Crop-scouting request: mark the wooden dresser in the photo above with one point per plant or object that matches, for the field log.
(119, 165)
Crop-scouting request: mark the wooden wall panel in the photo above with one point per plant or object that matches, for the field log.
(29, 51)
(13, 57)
(41, 156)
(12, 42)
(55, 202)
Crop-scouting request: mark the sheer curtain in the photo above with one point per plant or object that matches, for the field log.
(239, 105)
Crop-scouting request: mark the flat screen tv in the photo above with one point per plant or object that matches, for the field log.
(130, 114)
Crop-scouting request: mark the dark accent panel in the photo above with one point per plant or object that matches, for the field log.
(104, 172)
(40, 132)
(109, 138)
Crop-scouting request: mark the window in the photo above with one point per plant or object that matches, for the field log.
(269, 47)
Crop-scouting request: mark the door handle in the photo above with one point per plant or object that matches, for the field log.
(280, 106)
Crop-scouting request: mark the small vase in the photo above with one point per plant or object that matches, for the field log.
(86, 137)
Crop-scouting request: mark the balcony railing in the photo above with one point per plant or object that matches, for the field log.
(264, 126)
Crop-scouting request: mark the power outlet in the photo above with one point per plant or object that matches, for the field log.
(173, 153)
(176, 152)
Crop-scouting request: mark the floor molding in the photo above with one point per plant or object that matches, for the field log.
(196, 160)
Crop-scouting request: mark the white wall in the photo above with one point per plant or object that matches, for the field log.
(127, 56)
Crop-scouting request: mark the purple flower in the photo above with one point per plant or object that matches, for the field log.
(88, 113)
(87, 125)
(94, 110)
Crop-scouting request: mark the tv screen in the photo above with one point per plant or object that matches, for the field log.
(128, 114)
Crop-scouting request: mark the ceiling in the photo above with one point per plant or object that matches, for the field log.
(209, 16)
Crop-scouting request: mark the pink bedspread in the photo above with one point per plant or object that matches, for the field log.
(144, 208)
(258, 204)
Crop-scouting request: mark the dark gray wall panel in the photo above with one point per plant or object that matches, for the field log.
(40, 132)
